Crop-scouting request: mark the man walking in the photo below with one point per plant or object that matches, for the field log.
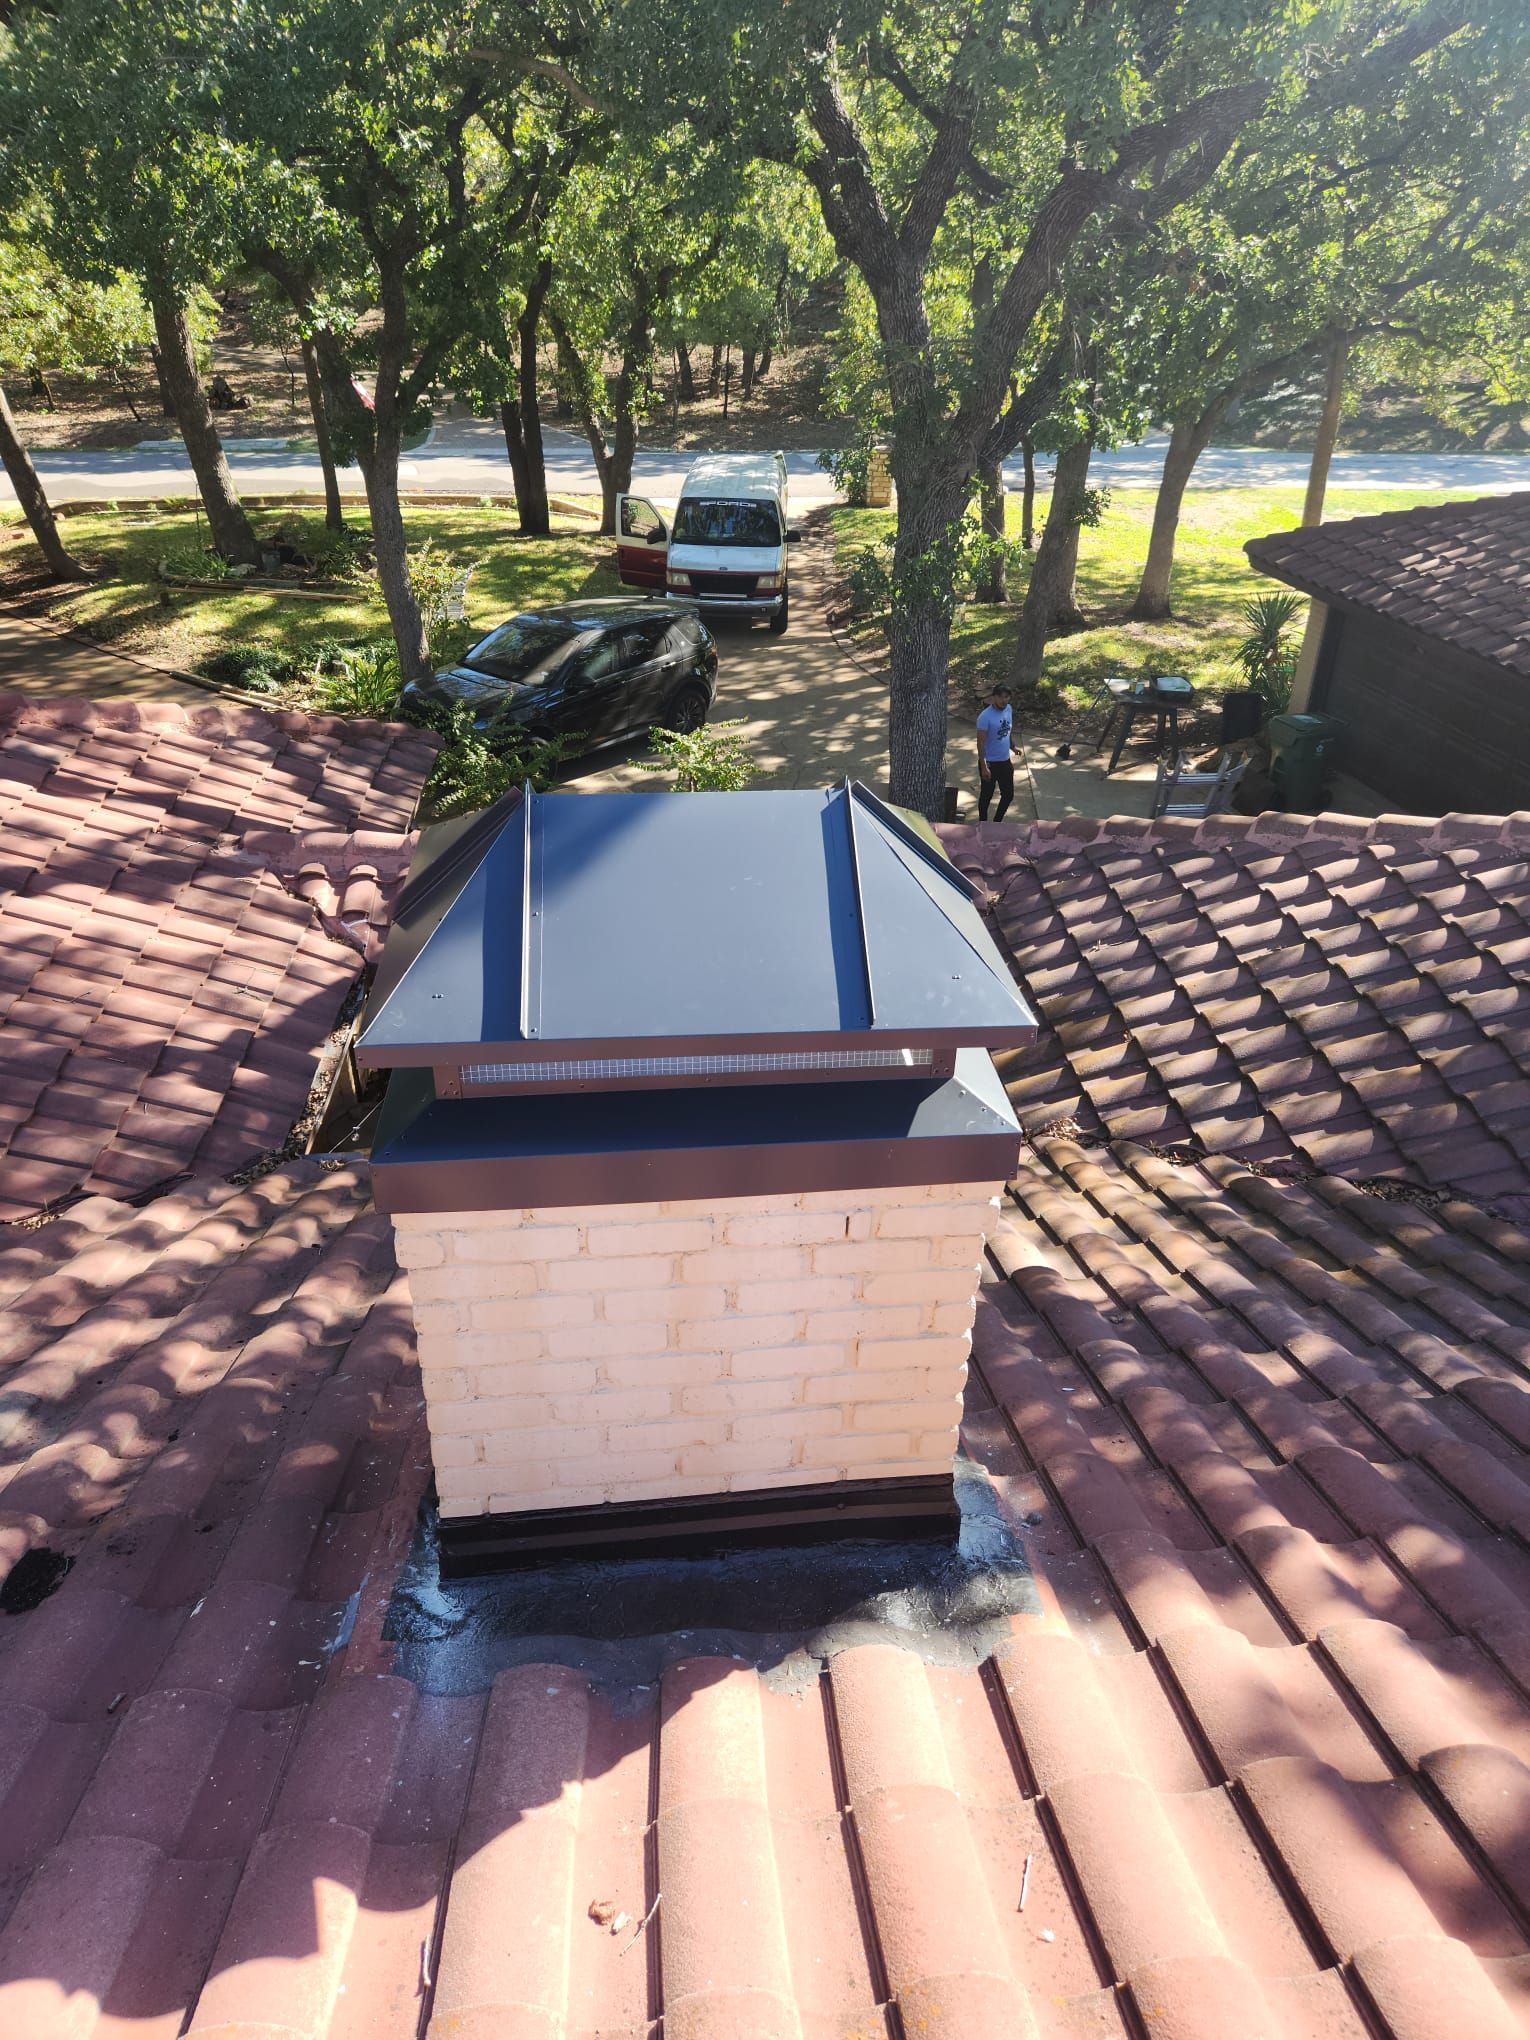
(995, 766)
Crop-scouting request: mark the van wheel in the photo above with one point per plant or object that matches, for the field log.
(687, 712)
(779, 621)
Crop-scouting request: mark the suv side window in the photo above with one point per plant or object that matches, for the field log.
(644, 641)
(597, 661)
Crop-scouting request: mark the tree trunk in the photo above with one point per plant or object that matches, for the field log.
(62, 564)
(41, 386)
(687, 373)
(334, 513)
(1328, 429)
(919, 638)
(767, 356)
(991, 584)
(231, 533)
(166, 400)
(1028, 493)
(521, 417)
(379, 467)
(714, 372)
(746, 383)
(1049, 597)
(1188, 439)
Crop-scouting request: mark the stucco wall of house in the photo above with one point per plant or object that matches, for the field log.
(615, 1353)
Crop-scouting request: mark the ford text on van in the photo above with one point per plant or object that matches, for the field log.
(727, 548)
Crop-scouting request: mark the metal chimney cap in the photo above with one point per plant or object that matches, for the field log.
(660, 924)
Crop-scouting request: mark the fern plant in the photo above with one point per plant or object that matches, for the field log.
(365, 681)
(703, 761)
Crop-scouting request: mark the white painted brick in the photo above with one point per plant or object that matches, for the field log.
(938, 1444)
(487, 1414)
(629, 1271)
(651, 1236)
(418, 1250)
(606, 1342)
(759, 1455)
(672, 1483)
(738, 1333)
(930, 1413)
(787, 1476)
(647, 1370)
(448, 1450)
(731, 1207)
(673, 1434)
(803, 1423)
(783, 1228)
(513, 1446)
(932, 1221)
(798, 1358)
(439, 1320)
(864, 1257)
(804, 1292)
(532, 1313)
(954, 1318)
(868, 1321)
(958, 1250)
(866, 1384)
(928, 1352)
(746, 1264)
(608, 1470)
(597, 1214)
(481, 1349)
(613, 1405)
(855, 1449)
(933, 1286)
(848, 1200)
(661, 1306)
(731, 1396)
(558, 1497)
(510, 1243)
(535, 1377)
(444, 1384)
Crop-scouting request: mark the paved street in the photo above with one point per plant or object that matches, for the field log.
(467, 456)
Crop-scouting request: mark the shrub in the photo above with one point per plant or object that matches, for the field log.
(476, 766)
(260, 669)
(1266, 651)
(192, 563)
(438, 583)
(364, 680)
(704, 760)
(342, 556)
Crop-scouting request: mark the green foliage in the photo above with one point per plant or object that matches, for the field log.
(474, 767)
(706, 760)
(437, 579)
(192, 563)
(939, 576)
(260, 669)
(341, 556)
(1267, 651)
(363, 680)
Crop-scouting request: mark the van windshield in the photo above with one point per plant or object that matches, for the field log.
(708, 520)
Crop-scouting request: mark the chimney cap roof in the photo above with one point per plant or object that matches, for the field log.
(628, 922)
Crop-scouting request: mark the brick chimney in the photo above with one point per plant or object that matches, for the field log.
(691, 1144)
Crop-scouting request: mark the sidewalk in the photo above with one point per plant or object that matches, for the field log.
(37, 659)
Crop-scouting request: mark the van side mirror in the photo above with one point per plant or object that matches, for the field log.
(793, 535)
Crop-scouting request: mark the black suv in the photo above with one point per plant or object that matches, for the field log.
(603, 671)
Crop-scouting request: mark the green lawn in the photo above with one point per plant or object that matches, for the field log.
(1211, 580)
(135, 610)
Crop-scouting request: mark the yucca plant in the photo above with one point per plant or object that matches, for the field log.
(1266, 652)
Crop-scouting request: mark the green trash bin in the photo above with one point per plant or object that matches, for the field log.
(1302, 754)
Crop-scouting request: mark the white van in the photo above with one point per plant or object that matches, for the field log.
(727, 550)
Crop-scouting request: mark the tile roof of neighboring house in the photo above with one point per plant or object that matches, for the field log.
(1338, 994)
(216, 769)
(164, 997)
(1260, 1770)
(1459, 572)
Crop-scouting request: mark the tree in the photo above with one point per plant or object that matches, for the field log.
(273, 320)
(49, 320)
(1051, 119)
(108, 112)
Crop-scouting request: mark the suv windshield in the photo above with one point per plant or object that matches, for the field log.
(521, 648)
(703, 520)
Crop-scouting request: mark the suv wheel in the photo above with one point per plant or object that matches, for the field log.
(778, 622)
(687, 712)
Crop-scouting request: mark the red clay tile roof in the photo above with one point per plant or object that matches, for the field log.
(212, 769)
(1260, 1770)
(1459, 572)
(1337, 994)
(164, 998)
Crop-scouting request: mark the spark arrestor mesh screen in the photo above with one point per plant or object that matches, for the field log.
(625, 1068)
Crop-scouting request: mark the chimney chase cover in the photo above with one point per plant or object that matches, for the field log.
(707, 1006)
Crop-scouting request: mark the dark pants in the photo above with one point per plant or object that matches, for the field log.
(1001, 774)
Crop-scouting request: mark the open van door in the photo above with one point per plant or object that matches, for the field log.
(642, 543)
